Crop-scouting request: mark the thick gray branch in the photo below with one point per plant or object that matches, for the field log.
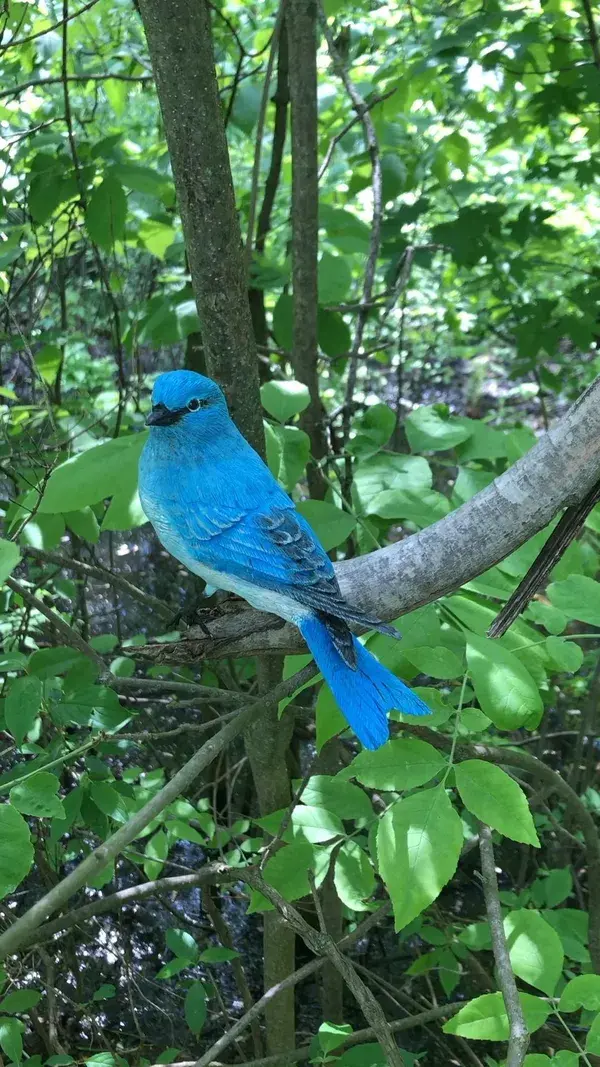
(557, 472)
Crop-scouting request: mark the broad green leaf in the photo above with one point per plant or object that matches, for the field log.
(353, 876)
(20, 1000)
(16, 852)
(195, 1009)
(182, 944)
(557, 886)
(566, 655)
(581, 992)
(485, 1018)
(536, 953)
(9, 558)
(331, 1035)
(110, 801)
(83, 523)
(592, 1041)
(156, 852)
(505, 690)
(106, 213)
(105, 992)
(400, 764)
(93, 475)
(578, 598)
(422, 507)
(22, 706)
(387, 472)
(11, 1040)
(140, 178)
(393, 173)
(437, 662)
(313, 823)
(48, 662)
(496, 799)
(156, 236)
(37, 796)
(331, 525)
(333, 333)
(342, 798)
(218, 954)
(48, 362)
(334, 279)
(572, 928)
(288, 451)
(284, 399)
(287, 872)
(373, 429)
(428, 431)
(328, 717)
(418, 844)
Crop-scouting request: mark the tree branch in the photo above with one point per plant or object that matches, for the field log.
(557, 472)
(518, 1041)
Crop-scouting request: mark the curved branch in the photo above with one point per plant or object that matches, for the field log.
(556, 473)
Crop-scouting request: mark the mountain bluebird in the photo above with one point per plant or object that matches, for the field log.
(218, 509)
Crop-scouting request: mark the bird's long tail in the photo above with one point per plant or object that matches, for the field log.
(366, 692)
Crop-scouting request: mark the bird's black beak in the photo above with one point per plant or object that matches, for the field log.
(163, 416)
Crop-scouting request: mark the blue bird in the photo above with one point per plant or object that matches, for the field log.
(218, 509)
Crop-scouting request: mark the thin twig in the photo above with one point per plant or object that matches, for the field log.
(518, 1041)
(68, 633)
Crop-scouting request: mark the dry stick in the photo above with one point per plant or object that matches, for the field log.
(561, 537)
(518, 1041)
(158, 687)
(90, 570)
(39, 82)
(210, 874)
(372, 145)
(54, 26)
(593, 32)
(321, 945)
(12, 939)
(335, 140)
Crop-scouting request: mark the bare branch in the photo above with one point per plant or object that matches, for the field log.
(518, 1041)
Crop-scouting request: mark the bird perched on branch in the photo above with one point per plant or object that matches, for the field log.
(217, 508)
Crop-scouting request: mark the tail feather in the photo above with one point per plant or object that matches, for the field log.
(364, 693)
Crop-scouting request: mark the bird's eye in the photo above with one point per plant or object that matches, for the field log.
(193, 405)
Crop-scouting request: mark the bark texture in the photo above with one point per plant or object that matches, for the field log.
(180, 45)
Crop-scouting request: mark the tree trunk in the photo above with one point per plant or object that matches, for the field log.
(302, 39)
(180, 45)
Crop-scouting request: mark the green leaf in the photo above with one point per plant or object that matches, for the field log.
(37, 796)
(334, 279)
(387, 472)
(182, 944)
(48, 361)
(505, 690)
(9, 558)
(578, 597)
(428, 431)
(421, 507)
(283, 321)
(485, 1018)
(11, 1041)
(110, 801)
(535, 949)
(287, 872)
(333, 333)
(331, 1035)
(557, 887)
(22, 706)
(195, 1007)
(328, 717)
(340, 797)
(106, 213)
(400, 764)
(91, 476)
(418, 844)
(156, 852)
(48, 662)
(284, 399)
(331, 525)
(592, 1041)
(288, 451)
(84, 524)
(16, 854)
(20, 1000)
(105, 992)
(495, 798)
(156, 236)
(218, 954)
(566, 655)
(140, 178)
(581, 992)
(353, 876)
(393, 173)
(437, 662)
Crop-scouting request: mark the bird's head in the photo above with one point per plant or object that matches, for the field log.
(187, 401)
